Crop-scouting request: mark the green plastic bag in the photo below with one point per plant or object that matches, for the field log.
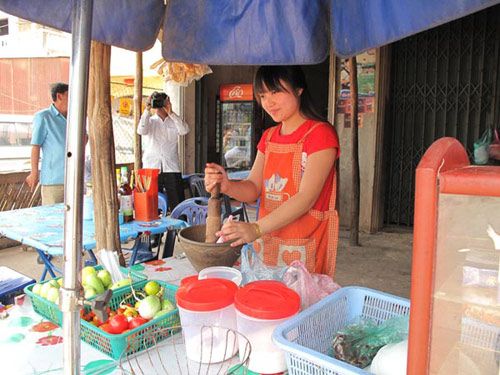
(481, 147)
(358, 343)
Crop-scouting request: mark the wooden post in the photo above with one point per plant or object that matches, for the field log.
(354, 227)
(137, 110)
(102, 151)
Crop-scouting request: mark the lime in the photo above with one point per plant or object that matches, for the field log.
(151, 288)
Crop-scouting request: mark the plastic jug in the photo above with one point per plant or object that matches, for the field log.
(208, 319)
(260, 307)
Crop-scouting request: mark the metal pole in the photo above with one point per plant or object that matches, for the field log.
(137, 110)
(73, 194)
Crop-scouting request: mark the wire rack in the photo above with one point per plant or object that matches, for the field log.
(218, 354)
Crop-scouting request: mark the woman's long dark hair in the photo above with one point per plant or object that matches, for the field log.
(268, 78)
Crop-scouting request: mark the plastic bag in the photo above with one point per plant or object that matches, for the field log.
(494, 149)
(390, 359)
(310, 287)
(481, 147)
(357, 344)
(253, 268)
(178, 73)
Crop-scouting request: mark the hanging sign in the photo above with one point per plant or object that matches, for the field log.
(125, 106)
(236, 92)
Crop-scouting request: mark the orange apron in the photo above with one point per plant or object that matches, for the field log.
(313, 237)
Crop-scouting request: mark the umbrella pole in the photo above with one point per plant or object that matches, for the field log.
(73, 195)
(137, 110)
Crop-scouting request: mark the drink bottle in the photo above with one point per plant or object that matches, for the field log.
(126, 198)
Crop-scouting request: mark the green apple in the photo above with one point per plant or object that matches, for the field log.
(89, 270)
(89, 292)
(53, 294)
(152, 288)
(54, 283)
(37, 288)
(44, 290)
(167, 305)
(160, 313)
(105, 278)
(60, 281)
(119, 284)
(94, 282)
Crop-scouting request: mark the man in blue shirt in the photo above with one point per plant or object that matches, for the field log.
(49, 135)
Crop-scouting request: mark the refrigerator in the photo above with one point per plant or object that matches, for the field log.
(455, 289)
(236, 130)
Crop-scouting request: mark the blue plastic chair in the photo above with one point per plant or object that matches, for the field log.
(197, 186)
(162, 204)
(238, 212)
(194, 211)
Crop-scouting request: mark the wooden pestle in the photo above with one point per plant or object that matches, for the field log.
(213, 217)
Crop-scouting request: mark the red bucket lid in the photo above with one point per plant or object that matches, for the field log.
(206, 295)
(188, 280)
(267, 299)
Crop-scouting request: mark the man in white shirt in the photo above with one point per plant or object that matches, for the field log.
(160, 128)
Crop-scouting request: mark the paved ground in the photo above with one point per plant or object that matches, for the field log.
(383, 262)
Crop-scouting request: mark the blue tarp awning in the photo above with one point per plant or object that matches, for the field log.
(251, 32)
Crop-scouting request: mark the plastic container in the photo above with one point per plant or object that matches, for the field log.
(12, 284)
(51, 311)
(307, 338)
(208, 319)
(137, 339)
(145, 206)
(146, 203)
(260, 307)
(221, 272)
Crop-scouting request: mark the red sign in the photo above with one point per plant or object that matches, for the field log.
(236, 92)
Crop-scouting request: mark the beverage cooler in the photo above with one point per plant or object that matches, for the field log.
(236, 126)
(455, 295)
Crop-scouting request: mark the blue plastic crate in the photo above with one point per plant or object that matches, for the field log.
(12, 284)
(307, 338)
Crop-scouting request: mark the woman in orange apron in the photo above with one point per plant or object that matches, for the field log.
(294, 176)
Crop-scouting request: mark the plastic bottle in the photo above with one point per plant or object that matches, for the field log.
(126, 198)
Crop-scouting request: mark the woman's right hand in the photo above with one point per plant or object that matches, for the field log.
(214, 173)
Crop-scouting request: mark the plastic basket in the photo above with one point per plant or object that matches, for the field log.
(50, 310)
(137, 339)
(308, 337)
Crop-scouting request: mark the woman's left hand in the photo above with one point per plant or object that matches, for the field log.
(237, 232)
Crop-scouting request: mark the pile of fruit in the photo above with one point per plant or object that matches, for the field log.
(150, 304)
(94, 283)
(49, 290)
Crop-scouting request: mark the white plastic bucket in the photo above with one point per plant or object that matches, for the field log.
(260, 307)
(208, 319)
(209, 336)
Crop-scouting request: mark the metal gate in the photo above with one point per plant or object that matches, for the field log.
(444, 82)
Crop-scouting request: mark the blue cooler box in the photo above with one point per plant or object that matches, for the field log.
(12, 284)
